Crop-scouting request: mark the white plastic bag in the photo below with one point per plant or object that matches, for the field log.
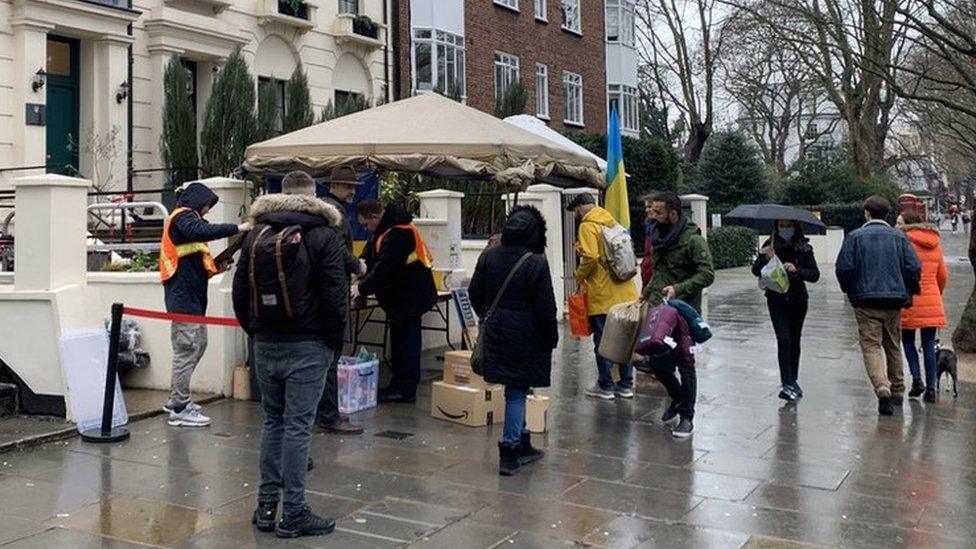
(773, 277)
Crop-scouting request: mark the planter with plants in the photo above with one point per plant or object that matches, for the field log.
(364, 26)
(293, 8)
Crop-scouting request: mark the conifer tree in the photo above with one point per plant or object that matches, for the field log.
(179, 139)
(229, 121)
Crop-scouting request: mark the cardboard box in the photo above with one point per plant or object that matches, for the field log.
(457, 370)
(471, 406)
(536, 413)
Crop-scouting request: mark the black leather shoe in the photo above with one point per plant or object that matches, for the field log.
(390, 396)
(305, 523)
(264, 516)
(341, 427)
(526, 453)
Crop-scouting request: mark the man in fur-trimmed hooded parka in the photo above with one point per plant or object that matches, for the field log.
(297, 327)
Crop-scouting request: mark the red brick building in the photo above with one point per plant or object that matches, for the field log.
(477, 48)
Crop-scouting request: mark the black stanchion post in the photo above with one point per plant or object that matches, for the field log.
(107, 433)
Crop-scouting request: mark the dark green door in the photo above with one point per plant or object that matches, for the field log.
(63, 140)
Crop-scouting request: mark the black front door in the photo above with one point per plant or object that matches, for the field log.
(63, 140)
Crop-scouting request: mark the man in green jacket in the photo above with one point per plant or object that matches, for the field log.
(682, 270)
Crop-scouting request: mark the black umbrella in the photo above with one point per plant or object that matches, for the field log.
(761, 217)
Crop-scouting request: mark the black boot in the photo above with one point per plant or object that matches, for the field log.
(508, 459)
(930, 395)
(885, 407)
(264, 516)
(526, 453)
(304, 523)
(918, 388)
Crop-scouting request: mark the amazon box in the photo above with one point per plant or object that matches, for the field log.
(536, 413)
(471, 406)
(457, 370)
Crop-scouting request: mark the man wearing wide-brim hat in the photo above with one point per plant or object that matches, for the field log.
(343, 184)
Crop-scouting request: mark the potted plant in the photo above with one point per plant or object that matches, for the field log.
(293, 8)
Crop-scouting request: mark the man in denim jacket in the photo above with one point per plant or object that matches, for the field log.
(878, 270)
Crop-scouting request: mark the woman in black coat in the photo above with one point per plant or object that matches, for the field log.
(789, 310)
(521, 333)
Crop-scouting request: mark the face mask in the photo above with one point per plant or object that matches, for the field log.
(787, 233)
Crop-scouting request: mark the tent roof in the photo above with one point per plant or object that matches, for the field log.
(538, 127)
(429, 134)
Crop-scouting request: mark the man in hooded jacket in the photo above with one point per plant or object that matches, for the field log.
(292, 357)
(185, 267)
(682, 269)
(602, 292)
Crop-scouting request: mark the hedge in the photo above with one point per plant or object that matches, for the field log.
(732, 246)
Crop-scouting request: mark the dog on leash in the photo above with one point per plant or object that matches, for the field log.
(945, 364)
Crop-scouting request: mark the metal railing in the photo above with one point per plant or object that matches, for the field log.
(123, 207)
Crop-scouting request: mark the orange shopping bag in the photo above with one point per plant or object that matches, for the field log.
(579, 321)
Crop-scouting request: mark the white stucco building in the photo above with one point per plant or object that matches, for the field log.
(67, 94)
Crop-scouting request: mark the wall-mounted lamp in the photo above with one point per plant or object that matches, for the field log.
(123, 92)
(39, 79)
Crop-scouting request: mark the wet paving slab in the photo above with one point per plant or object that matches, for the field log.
(758, 473)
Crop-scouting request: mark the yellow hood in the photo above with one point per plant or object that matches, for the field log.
(601, 216)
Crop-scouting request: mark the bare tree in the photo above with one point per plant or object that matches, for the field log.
(938, 78)
(680, 44)
(847, 45)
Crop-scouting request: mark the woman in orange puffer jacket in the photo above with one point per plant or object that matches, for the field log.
(927, 313)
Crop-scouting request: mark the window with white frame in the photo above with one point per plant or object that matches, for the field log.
(571, 15)
(621, 24)
(628, 107)
(506, 72)
(573, 98)
(349, 6)
(438, 60)
(540, 10)
(508, 3)
(542, 91)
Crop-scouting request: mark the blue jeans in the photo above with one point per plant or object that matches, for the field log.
(406, 338)
(603, 365)
(928, 350)
(514, 414)
(292, 377)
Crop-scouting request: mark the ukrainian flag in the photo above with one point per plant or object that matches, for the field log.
(616, 201)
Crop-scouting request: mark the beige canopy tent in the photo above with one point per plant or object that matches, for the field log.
(428, 134)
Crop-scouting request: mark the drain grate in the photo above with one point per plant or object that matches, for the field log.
(395, 435)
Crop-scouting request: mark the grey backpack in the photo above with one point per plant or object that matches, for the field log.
(619, 247)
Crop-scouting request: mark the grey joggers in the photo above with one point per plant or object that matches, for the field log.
(189, 344)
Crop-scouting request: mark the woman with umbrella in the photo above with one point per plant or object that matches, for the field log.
(788, 310)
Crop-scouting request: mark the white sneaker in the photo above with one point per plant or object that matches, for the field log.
(597, 392)
(188, 418)
(624, 392)
(191, 406)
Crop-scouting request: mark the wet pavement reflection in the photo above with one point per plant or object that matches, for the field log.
(824, 472)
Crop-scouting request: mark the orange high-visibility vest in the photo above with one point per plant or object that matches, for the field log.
(420, 253)
(170, 254)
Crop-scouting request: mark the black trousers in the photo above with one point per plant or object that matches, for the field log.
(328, 409)
(683, 391)
(788, 317)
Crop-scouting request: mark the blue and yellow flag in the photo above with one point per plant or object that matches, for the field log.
(616, 201)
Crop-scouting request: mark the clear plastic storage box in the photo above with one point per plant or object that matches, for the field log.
(358, 384)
